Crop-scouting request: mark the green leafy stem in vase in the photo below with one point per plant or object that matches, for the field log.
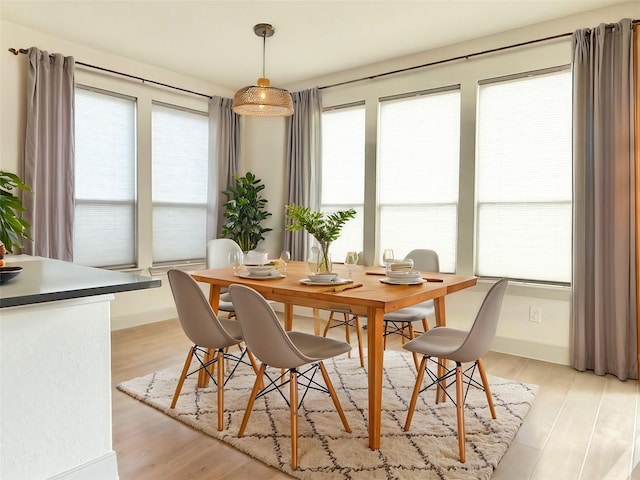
(324, 227)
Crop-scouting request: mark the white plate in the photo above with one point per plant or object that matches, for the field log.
(406, 275)
(405, 281)
(338, 281)
(274, 274)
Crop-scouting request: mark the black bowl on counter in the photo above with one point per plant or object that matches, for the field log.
(8, 273)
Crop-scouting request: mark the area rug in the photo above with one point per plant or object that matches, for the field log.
(428, 451)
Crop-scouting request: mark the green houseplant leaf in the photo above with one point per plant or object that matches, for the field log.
(245, 211)
(325, 227)
(12, 227)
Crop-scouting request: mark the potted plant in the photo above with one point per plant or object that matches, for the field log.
(245, 211)
(12, 227)
(325, 227)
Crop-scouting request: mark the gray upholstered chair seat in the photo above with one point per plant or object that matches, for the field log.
(314, 350)
(415, 313)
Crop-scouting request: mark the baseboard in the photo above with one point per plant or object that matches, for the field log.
(103, 468)
(128, 321)
(537, 351)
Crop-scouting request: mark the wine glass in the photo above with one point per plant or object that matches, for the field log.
(351, 261)
(387, 258)
(235, 260)
(285, 256)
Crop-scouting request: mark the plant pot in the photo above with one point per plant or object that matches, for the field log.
(320, 259)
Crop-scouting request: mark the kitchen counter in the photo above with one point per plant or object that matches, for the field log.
(55, 366)
(47, 280)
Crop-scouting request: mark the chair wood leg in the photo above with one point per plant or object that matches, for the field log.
(384, 337)
(256, 369)
(359, 336)
(487, 390)
(220, 380)
(460, 412)
(183, 375)
(293, 401)
(252, 399)
(346, 332)
(334, 397)
(425, 325)
(412, 335)
(442, 370)
(328, 325)
(416, 392)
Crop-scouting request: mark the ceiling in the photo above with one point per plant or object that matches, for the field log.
(214, 40)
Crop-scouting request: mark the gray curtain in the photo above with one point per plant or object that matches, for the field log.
(603, 307)
(302, 181)
(49, 155)
(224, 150)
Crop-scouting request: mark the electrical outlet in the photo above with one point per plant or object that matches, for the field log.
(535, 314)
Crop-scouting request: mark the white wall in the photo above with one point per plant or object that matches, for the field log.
(263, 152)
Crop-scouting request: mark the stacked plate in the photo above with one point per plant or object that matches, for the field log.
(260, 270)
(403, 276)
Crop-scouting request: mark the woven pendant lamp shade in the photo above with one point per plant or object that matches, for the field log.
(263, 100)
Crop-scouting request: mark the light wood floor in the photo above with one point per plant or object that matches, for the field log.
(581, 426)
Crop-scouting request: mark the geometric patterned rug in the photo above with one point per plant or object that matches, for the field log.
(428, 451)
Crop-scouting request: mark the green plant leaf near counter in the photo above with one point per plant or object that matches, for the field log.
(12, 227)
(245, 211)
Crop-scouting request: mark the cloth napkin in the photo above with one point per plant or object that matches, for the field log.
(341, 288)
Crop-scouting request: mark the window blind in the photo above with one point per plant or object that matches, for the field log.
(524, 190)
(105, 180)
(418, 164)
(342, 184)
(179, 185)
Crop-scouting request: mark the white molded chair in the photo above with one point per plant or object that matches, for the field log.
(207, 332)
(460, 346)
(289, 351)
(401, 321)
(218, 251)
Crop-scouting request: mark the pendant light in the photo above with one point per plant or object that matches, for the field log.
(262, 100)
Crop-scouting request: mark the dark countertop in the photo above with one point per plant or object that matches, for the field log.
(48, 280)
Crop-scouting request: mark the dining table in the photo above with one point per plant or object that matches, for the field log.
(366, 295)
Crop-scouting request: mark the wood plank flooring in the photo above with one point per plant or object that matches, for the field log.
(581, 426)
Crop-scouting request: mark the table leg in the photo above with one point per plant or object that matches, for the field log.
(288, 316)
(214, 300)
(375, 361)
(316, 321)
(441, 321)
(441, 315)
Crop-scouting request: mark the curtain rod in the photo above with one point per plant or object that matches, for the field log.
(115, 72)
(452, 59)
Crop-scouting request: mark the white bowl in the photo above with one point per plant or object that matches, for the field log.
(260, 270)
(322, 277)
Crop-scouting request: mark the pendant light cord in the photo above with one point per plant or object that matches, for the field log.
(264, 49)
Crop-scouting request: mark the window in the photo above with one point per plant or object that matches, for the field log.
(180, 178)
(418, 163)
(343, 173)
(105, 180)
(524, 177)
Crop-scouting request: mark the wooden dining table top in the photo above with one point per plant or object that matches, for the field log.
(369, 291)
